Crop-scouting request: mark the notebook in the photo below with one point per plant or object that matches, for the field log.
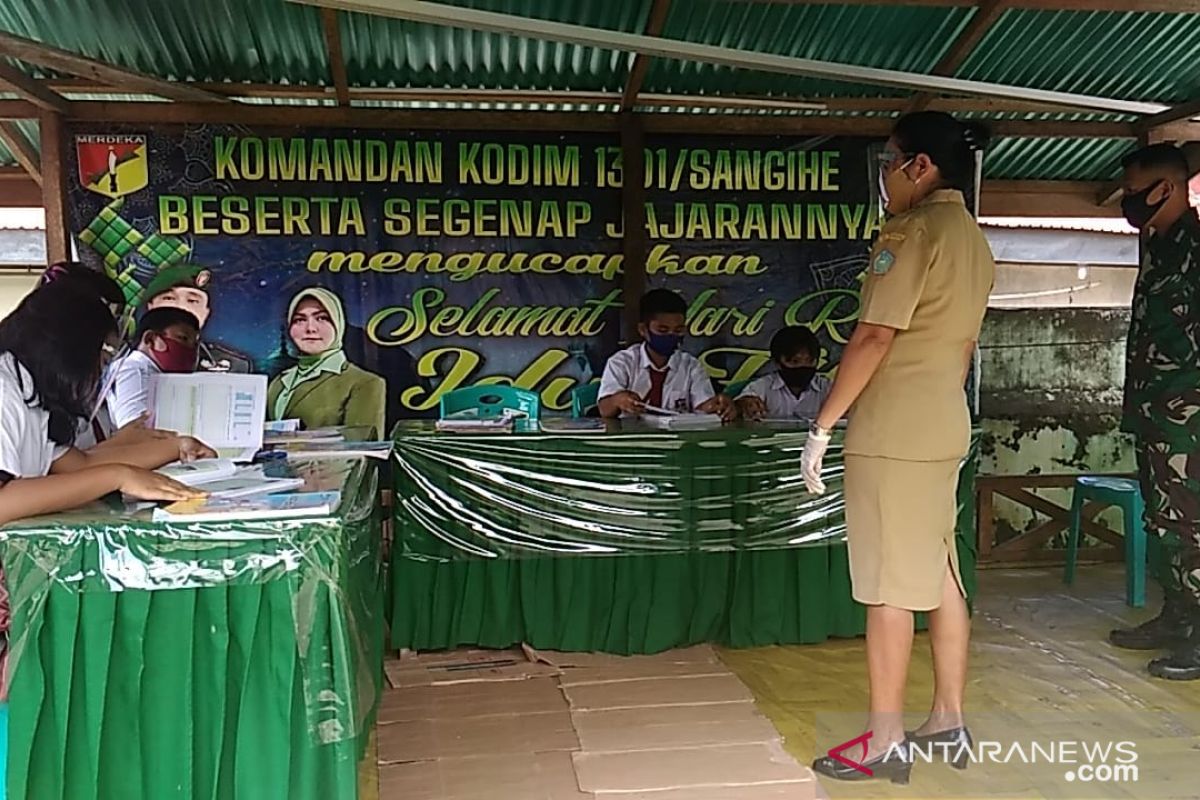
(275, 506)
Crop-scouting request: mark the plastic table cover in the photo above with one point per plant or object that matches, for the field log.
(719, 581)
(632, 490)
(238, 659)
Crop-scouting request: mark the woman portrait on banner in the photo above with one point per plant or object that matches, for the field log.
(902, 378)
(324, 389)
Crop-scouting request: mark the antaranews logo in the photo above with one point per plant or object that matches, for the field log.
(1084, 761)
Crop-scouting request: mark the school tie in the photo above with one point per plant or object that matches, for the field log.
(655, 396)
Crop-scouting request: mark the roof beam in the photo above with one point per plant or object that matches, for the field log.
(17, 189)
(987, 13)
(508, 24)
(18, 109)
(22, 150)
(145, 113)
(1183, 112)
(13, 79)
(641, 62)
(59, 60)
(1153, 6)
(407, 94)
(337, 60)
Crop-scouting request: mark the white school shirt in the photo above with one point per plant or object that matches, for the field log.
(687, 384)
(781, 403)
(129, 396)
(25, 447)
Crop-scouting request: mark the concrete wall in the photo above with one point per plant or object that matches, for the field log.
(1051, 398)
(14, 286)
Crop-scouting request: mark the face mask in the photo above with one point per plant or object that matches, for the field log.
(797, 378)
(887, 193)
(1138, 212)
(665, 344)
(177, 357)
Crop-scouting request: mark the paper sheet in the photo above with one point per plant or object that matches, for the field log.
(222, 410)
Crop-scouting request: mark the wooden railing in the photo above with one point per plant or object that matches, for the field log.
(1030, 546)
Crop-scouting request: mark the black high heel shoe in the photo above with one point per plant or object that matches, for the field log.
(894, 765)
(955, 744)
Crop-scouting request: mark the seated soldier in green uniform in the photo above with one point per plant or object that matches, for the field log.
(1162, 398)
(186, 287)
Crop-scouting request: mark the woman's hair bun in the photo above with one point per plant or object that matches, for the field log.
(976, 135)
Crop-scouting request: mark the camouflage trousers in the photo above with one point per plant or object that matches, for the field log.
(1169, 474)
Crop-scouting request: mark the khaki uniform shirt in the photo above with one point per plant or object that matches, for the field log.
(929, 277)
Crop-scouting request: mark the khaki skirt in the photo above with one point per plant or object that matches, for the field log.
(900, 519)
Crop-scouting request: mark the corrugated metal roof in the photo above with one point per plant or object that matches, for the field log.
(895, 37)
(1150, 57)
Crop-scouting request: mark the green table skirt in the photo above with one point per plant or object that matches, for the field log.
(631, 604)
(263, 688)
(177, 694)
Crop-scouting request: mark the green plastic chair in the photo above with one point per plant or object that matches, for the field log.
(734, 389)
(491, 401)
(1125, 494)
(584, 398)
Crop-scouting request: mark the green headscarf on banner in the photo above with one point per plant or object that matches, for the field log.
(310, 367)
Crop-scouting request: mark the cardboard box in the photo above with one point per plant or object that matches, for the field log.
(800, 790)
(670, 727)
(700, 654)
(544, 776)
(651, 692)
(461, 737)
(483, 666)
(688, 768)
(472, 700)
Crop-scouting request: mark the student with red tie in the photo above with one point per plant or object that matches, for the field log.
(656, 372)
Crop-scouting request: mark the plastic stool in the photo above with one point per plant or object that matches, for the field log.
(1127, 495)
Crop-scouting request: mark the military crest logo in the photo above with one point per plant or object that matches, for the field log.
(113, 165)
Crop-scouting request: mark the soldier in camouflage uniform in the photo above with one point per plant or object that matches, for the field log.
(1162, 398)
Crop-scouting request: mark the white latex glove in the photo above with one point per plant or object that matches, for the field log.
(811, 461)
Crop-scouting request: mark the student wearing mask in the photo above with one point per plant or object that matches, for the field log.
(98, 429)
(656, 372)
(166, 341)
(904, 372)
(1162, 398)
(324, 389)
(794, 390)
(51, 355)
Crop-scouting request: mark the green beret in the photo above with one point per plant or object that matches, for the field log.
(190, 276)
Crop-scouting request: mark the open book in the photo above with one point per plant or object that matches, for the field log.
(275, 506)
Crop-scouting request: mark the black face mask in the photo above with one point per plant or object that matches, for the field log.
(1138, 212)
(797, 378)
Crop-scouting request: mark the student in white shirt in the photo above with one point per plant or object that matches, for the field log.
(794, 390)
(52, 351)
(655, 372)
(167, 340)
(97, 430)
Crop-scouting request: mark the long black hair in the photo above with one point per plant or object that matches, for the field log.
(57, 334)
(88, 279)
(949, 143)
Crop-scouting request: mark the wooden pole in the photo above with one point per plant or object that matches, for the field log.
(54, 189)
(633, 214)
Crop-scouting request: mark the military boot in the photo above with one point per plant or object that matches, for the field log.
(1169, 629)
(1184, 662)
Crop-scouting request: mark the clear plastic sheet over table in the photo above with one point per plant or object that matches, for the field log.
(631, 490)
(327, 560)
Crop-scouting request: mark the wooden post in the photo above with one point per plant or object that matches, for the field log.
(54, 189)
(633, 213)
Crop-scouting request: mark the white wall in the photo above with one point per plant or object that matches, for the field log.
(14, 286)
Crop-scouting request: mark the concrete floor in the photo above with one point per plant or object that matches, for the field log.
(1041, 668)
(1041, 671)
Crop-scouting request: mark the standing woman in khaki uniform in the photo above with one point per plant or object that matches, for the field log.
(902, 377)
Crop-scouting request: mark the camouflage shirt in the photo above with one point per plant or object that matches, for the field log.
(1162, 366)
